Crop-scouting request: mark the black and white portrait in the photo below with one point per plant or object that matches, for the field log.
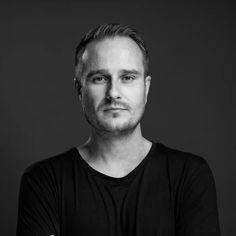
(117, 118)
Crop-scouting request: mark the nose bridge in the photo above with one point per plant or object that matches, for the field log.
(113, 87)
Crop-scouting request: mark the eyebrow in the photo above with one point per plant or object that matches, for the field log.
(106, 72)
(134, 72)
(95, 72)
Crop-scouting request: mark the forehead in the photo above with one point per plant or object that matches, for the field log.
(116, 53)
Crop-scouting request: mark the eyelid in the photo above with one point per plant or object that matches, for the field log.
(130, 76)
(93, 78)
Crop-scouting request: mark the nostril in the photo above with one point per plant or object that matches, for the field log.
(113, 92)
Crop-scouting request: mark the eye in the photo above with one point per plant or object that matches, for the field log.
(99, 79)
(127, 78)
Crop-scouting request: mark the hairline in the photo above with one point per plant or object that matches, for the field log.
(81, 52)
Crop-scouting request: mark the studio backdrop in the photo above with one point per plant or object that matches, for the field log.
(192, 99)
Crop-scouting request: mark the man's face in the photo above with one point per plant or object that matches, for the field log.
(114, 91)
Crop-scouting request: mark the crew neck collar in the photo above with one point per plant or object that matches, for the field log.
(123, 179)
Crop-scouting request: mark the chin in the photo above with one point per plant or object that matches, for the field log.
(116, 127)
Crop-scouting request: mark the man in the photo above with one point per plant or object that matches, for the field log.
(118, 182)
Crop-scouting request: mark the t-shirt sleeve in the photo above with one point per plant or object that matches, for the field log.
(37, 205)
(198, 214)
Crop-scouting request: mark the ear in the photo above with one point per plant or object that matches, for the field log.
(78, 87)
(147, 82)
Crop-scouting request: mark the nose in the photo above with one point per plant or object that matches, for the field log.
(113, 90)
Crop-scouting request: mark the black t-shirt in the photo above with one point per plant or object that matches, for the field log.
(169, 193)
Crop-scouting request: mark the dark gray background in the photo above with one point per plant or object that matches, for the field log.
(192, 98)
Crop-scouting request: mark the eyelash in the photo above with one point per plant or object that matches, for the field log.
(95, 79)
(98, 77)
(127, 76)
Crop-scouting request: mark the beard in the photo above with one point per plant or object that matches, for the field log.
(111, 126)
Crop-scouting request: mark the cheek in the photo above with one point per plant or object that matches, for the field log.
(92, 98)
(136, 96)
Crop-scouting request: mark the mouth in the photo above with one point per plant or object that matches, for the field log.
(114, 109)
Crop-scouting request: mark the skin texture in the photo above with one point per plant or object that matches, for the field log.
(114, 78)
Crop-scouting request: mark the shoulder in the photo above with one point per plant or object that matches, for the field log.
(188, 173)
(51, 166)
(182, 165)
(180, 158)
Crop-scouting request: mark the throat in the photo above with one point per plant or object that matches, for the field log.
(117, 170)
(115, 165)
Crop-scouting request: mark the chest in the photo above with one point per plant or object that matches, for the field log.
(143, 207)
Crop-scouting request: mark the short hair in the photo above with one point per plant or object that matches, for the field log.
(110, 30)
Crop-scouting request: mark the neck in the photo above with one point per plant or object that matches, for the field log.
(115, 148)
